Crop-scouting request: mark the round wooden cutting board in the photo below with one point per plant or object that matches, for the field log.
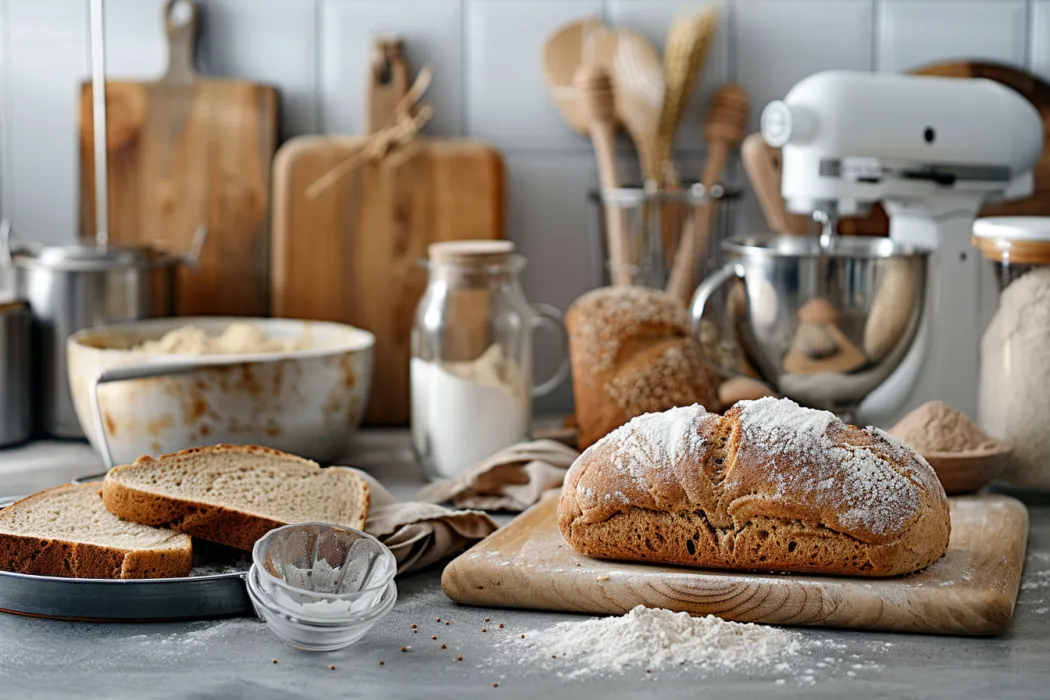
(1038, 93)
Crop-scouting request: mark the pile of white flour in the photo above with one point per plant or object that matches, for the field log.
(654, 639)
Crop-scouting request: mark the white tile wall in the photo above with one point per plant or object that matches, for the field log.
(488, 85)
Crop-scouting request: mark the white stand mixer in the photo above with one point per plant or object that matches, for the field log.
(933, 151)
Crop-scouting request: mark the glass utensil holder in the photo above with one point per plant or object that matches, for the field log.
(654, 221)
(472, 357)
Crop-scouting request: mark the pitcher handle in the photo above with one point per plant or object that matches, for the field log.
(707, 288)
(550, 317)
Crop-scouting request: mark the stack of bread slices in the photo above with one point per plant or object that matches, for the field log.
(142, 521)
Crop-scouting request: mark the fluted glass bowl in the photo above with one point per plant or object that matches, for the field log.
(317, 634)
(323, 571)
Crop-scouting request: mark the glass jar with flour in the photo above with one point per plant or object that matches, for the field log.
(472, 352)
(1014, 392)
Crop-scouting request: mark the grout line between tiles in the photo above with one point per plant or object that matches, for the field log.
(320, 125)
(876, 34)
(1029, 34)
(5, 106)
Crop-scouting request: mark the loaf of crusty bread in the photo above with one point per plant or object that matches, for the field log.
(234, 494)
(66, 531)
(631, 354)
(768, 486)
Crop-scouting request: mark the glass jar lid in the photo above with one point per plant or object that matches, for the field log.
(1017, 239)
(480, 252)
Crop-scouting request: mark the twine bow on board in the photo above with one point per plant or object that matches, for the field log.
(408, 119)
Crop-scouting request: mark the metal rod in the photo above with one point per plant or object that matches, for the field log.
(98, 95)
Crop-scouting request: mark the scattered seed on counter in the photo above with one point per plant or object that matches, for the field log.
(448, 622)
(648, 670)
(414, 626)
(404, 648)
(444, 646)
(483, 629)
(459, 658)
(523, 636)
(331, 667)
(381, 662)
(501, 625)
(437, 619)
(495, 685)
(486, 620)
(554, 656)
(433, 636)
(275, 660)
(415, 631)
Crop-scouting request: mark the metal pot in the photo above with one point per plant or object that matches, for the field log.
(16, 412)
(74, 287)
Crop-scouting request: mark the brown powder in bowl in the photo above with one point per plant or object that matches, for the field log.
(936, 426)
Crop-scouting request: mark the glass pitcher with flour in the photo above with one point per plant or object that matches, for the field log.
(472, 356)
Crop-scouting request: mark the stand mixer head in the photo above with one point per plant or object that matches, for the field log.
(933, 151)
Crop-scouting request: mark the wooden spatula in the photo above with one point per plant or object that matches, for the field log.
(596, 88)
(762, 164)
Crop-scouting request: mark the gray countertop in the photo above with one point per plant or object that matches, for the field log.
(233, 658)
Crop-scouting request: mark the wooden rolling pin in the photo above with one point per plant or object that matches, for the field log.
(596, 88)
(726, 121)
(762, 164)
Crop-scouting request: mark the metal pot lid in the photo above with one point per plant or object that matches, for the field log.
(86, 258)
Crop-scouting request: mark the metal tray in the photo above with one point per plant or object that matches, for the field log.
(123, 600)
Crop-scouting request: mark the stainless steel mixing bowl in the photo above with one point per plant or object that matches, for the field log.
(823, 327)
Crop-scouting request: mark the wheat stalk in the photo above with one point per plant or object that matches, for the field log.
(688, 43)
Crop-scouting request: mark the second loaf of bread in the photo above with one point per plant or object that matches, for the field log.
(768, 486)
(632, 353)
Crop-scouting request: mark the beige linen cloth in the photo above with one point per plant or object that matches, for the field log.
(512, 479)
(420, 534)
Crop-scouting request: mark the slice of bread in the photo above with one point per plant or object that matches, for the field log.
(67, 531)
(234, 494)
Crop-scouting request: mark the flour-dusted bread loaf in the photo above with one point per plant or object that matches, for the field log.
(234, 494)
(66, 531)
(768, 486)
(632, 354)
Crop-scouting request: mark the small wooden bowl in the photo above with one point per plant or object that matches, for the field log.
(968, 472)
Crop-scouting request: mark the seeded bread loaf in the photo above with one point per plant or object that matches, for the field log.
(234, 494)
(768, 486)
(631, 354)
(67, 531)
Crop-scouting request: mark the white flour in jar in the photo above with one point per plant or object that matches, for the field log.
(464, 412)
(1014, 401)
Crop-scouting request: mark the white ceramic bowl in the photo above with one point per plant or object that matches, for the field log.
(307, 402)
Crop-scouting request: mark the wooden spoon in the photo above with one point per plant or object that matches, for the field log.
(596, 88)
(726, 122)
(563, 53)
(762, 164)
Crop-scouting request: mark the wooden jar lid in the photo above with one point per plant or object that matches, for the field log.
(1023, 240)
(471, 252)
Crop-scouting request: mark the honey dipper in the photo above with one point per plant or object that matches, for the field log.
(596, 88)
(723, 130)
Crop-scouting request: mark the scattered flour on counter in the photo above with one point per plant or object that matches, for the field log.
(656, 639)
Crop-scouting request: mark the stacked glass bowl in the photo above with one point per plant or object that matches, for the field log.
(321, 587)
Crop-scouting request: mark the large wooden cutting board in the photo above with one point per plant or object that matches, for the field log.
(970, 591)
(1037, 92)
(352, 253)
(187, 150)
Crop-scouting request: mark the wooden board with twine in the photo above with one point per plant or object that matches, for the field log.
(351, 251)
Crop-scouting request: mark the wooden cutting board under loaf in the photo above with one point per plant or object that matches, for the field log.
(183, 151)
(970, 591)
(351, 254)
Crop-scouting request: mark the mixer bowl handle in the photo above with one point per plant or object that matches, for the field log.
(703, 294)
